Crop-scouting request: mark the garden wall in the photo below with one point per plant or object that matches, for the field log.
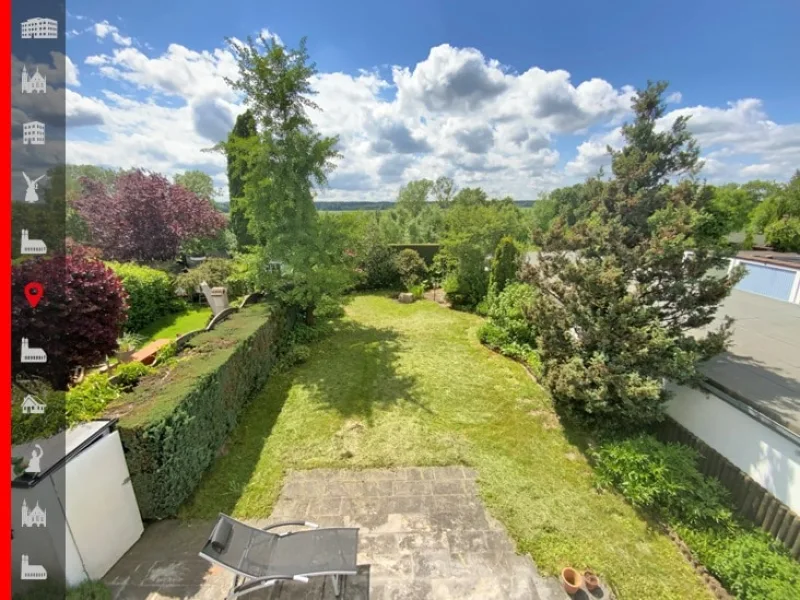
(767, 457)
(176, 430)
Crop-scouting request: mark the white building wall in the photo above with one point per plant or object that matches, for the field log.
(769, 458)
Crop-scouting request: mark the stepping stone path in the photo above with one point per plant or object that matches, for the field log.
(424, 533)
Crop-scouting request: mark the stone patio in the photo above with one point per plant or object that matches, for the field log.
(424, 533)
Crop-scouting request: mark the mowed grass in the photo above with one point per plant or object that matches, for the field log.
(399, 385)
(171, 326)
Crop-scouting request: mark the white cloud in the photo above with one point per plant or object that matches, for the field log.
(455, 113)
(674, 98)
(103, 29)
(72, 73)
(269, 35)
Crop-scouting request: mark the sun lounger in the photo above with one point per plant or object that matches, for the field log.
(261, 558)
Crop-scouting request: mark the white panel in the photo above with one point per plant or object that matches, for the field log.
(770, 459)
(101, 507)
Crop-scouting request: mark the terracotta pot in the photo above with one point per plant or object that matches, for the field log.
(592, 582)
(571, 580)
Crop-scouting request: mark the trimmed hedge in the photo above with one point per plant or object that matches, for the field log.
(173, 426)
(151, 294)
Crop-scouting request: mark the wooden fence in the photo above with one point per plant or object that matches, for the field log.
(750, 499)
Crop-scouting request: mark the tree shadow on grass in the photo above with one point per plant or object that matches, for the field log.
(356, 370)
(353, 371)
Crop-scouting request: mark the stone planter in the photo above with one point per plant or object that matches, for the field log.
(406, 298)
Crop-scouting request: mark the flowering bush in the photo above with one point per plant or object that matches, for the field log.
(78, 319)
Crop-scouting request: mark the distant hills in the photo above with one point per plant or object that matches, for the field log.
(348, 206)
(345, 206)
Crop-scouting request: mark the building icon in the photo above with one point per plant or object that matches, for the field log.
(40, 28)
(33, 133)
(35, 517)
(31, 406)
(33, 84)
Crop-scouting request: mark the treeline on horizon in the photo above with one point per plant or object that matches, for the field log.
(336, 205)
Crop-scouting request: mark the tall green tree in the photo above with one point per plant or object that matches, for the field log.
(288, 161)
(444, 189)
(237, 148)
(615, 315)
(413, 196)
(505, 264)
(198, 182)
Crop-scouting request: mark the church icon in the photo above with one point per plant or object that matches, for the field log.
(33, 84)
(34, 517)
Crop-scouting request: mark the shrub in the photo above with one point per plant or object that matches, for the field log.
(128, 375)
(410, 267)
(505, 264)
(417, 291)
(151, 294)
(509, 310)
(493, 336)
(748, 562)
(328, 308)
(784, 235)
(77, 321)
(88, 399)
(215, 272)
(662, 478)
(173, 429)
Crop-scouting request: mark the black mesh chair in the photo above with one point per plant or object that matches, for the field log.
(260, 558)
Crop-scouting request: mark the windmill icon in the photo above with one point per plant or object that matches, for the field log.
(30, 194)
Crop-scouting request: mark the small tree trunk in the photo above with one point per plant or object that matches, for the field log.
(310, 318)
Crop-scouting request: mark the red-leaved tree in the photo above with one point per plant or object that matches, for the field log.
(76, 322)
(145, 216)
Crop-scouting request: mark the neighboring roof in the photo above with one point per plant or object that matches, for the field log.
(762, 366)
(771, 257)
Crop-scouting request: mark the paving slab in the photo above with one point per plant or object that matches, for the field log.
(424, 533)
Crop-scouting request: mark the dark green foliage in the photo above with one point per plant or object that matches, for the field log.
(614, 315)
(410, 267)
(426, 251)
(375, 259)
(244, 132)
(664, 479)
(505, 264)
(177, 428)
(151, 294)
(55, 590)
(127, 375)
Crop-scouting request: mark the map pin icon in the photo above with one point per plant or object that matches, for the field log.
(34, 292)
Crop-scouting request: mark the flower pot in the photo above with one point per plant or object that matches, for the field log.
(571, 580)
(591, 580)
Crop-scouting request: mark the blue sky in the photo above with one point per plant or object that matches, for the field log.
(518, 97)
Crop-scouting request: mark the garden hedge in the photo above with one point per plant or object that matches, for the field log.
(151, 294)
(176, 430)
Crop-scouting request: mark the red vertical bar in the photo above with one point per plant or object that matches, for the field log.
(5, 296)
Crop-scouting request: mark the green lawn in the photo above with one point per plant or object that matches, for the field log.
(170, 326)
(410, 385)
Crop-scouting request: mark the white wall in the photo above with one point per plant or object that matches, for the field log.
(768, 457)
